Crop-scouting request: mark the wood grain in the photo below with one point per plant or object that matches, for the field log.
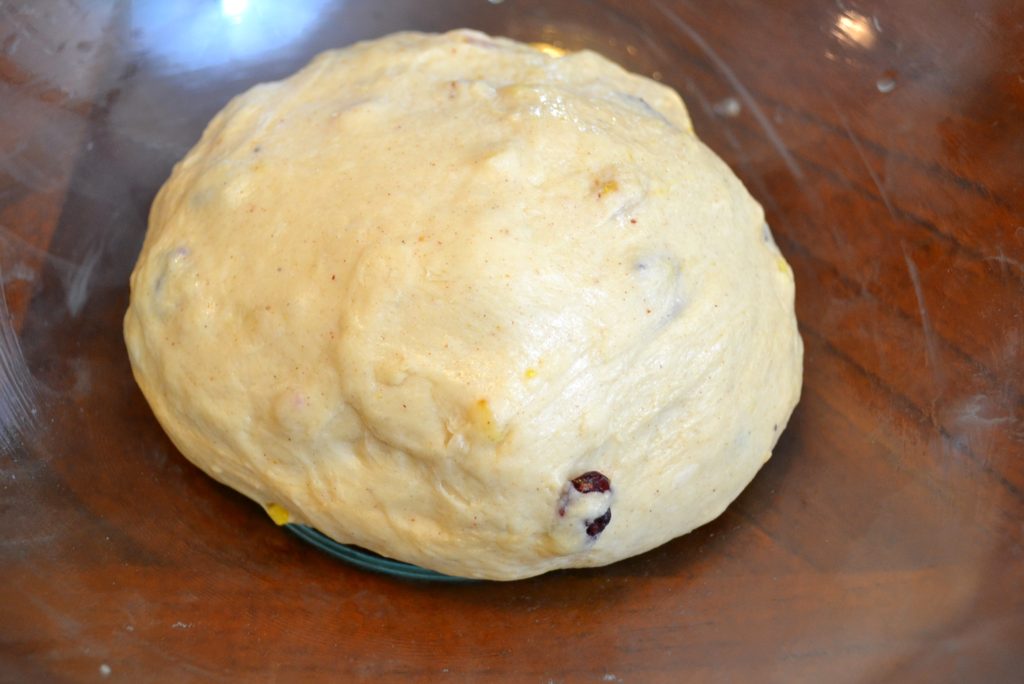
(882, 542)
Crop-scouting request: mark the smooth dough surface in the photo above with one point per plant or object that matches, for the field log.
(407, 295)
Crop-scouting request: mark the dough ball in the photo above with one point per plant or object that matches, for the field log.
(467, 305)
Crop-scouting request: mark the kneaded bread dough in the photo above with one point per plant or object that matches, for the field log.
(468, 305)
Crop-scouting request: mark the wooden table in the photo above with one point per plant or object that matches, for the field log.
(883, 542)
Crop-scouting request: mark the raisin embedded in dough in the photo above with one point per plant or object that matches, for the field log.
(591, 481)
